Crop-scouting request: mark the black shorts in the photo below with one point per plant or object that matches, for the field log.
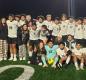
(33, 43)
(12, 40)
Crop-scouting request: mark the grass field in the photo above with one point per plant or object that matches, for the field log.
(43, 73)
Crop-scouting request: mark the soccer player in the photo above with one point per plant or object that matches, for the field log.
(71, 26)
(64, 54)
(22, 20)
(12, 36)
(78, 31)
(63, 26)
(39, 22)
(51, 55)
(34, 38)
(78, 55)
(84, 32)
(44, 33)
(56, 29)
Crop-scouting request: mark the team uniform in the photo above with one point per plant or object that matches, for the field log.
(84, 35)
(43, 35)
(34, 37)
(64, 54)
(63, 31)
(78, 33)
(71, 29)
(48, 24)
(12, 31)
(79, 55)
(55, 31)
(39, 25)
(21, 22)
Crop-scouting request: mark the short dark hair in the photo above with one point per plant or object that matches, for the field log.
(61, 43)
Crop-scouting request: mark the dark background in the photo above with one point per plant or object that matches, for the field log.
(40, 7)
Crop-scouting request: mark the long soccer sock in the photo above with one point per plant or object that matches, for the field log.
(55, 61)
(81, 65)
(43, 60)
(76, 64)
(68, 60)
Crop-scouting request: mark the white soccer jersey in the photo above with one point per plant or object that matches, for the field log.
(78, 32)
(84, 51)
(48, 24)
(34, 34)
(63, 27)
(39, 25)
(61, 53)
(43, 35)
(56, 29)
(21, 22)
(77, 52)
(71, 29)
(12, 28)
(84, 31)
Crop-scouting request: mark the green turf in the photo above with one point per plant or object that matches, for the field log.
(11, 74)
(49, 73)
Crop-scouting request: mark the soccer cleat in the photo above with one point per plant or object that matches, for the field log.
(40, 64)
(77, 68)
(81, 68)
(24, 58)
(45, 65)
(15, 59)
(11, 58)
(53, 66)
(20, 59)
(5, 58)
(28, 62)
(1, 59)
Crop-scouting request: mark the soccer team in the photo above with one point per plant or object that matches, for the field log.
(45, 41)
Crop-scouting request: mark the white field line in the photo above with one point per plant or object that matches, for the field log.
(26, 75)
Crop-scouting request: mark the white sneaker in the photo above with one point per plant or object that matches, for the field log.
(28, 62)
(11, 58)
(15, 59)
(5, 58)
(77, 68)
(20, 59)
(45, 65)
(24, 58)
(1, 59)
(40, 64)
(81, 68)
(53, 66)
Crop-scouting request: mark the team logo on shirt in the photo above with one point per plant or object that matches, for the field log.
(10, 27)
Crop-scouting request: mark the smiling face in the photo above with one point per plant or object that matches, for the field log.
(61, 46)
(41, 45)
(50, 44)
(11, 18)
(78, 46)
(48, 17)
(24, 27)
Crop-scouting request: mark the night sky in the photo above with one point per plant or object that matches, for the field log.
(40, 7)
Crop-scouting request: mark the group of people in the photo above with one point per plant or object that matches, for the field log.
(47, 41)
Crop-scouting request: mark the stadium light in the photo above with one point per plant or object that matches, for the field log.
(71, 8)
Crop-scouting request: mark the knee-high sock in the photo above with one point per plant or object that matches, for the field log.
(55, 61)
(43, 60)
(68, 60)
